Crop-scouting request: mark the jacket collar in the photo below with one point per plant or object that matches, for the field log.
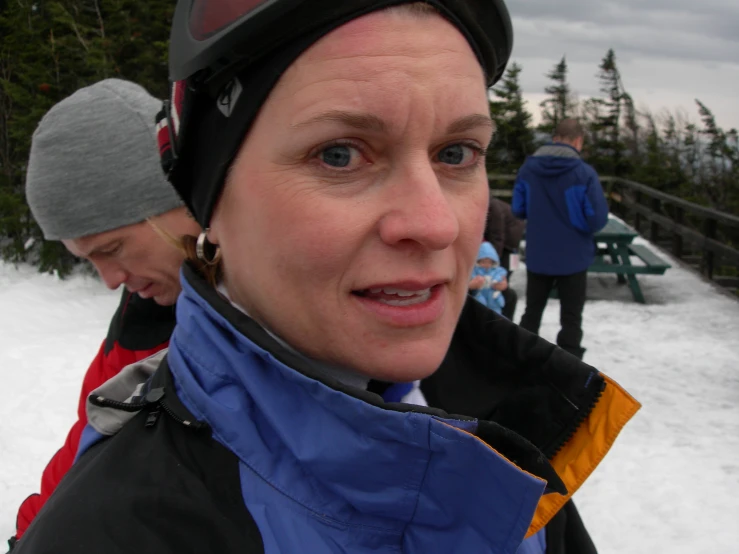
(281, 418)
(558, 150)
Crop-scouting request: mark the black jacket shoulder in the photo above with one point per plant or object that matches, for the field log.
(139, 323)
(497, 371)
(175, 490)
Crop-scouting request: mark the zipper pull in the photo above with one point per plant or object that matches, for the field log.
(153, 417)
(154, 397)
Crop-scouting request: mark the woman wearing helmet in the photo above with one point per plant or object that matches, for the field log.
(334, 153)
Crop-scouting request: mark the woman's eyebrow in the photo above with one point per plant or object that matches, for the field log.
(364, 122)
(470, 122)
(369, 122)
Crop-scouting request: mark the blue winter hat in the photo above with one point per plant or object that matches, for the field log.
(487, 250)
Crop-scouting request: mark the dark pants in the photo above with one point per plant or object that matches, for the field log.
(510, 295)
(571, 289)
(511, 299)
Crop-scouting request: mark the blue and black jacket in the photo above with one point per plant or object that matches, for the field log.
(562, 200)
(236, 445)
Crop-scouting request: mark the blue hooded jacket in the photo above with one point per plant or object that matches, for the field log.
(327, 473)
(562, 200)
(324, 472)
(487, 296)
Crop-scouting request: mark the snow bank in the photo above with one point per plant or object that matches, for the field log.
(49, 332)
(671, 481)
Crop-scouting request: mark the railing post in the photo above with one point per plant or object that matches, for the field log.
(637, 215)
(623, 208)
(610, 193)
(654, 232)
(709, 231)
(677, 238)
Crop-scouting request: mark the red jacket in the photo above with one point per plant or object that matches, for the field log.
(139, 329)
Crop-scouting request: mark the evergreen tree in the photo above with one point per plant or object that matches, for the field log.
(614, 143)
(692, 161)
(560, 104)
(668, 156)
(722, 154)
(22, 102)
(589, 114)
(652, 170)
(514, 134)
(608, 149)
(632, 135)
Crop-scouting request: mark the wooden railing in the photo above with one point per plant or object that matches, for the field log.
(501, 185)
(702, 237)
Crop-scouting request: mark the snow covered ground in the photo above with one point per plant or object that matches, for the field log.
(670, 484)
(49, 332)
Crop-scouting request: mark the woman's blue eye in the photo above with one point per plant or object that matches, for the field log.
(456, 154)
(337, 156)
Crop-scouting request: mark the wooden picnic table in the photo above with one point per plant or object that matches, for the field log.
(615, 249)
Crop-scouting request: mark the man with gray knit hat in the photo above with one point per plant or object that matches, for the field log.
(94, 181)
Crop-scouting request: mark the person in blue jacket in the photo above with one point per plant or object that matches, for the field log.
(489, 279)
(562, 200)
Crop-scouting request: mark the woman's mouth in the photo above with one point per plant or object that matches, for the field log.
(397, 297)
(404, 305)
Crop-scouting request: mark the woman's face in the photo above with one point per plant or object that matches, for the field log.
(353, 214)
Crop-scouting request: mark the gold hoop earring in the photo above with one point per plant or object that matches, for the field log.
(204, 247)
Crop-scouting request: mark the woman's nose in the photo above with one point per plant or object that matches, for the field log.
(421, 210)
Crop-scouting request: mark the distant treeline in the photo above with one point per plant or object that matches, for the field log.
(699, 163)
(49, 49)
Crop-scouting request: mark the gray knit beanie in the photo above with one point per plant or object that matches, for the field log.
(94, 164)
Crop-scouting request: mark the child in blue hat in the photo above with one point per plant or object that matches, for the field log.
(489, 279)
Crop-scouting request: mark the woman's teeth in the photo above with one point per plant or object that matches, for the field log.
(402, 297)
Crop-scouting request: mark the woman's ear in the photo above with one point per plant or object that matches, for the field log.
(215, 227)
(212, 235)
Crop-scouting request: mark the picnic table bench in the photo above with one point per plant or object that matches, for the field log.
(615, 249)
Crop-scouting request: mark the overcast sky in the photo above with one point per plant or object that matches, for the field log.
(669, 52)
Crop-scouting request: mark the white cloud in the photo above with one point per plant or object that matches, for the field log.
(669, 51)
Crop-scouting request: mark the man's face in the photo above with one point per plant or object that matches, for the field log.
(138, 257)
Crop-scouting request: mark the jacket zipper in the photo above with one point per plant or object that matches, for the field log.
(103, 402)
(576, 424)
(153, 399)
(195, 424)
